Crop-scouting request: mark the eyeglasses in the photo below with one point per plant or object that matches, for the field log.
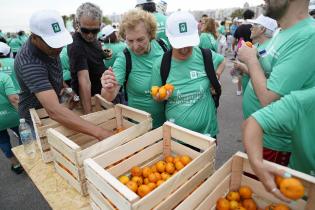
(87, 30)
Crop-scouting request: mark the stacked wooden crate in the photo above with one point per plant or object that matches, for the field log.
(107, 192)
(71, 148)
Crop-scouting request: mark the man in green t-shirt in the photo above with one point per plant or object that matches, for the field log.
(293, 114)
(15, 44)
(289, 59)
(9, 118)
(191, 104)
(138, 28)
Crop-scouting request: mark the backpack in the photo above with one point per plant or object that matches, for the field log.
(209, 68)
(129, 64)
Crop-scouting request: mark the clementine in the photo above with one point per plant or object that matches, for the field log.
(136, 171)
(245, 192)
(170, 168)
(292, 188)
(185, 159)
(154, 90)
(146, 171)
(249, 204)
(222, 204)
(137, 179)
(160, 166)
(143, 190)
(124, 179)
(233, 196)
(132, 186)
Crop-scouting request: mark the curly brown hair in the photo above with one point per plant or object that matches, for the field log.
(133, 17)
(210, 27)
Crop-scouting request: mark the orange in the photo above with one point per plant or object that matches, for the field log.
(169, 159)
(158, 176)
(234, 205)
(160, 166)
(162, 92)
(292, 188)
(249, 204)
(159, 183)
(245, 192)
(233, 196)
(185, 159)
(241, 208)
(165, 176)
(249, 44)
(278, 180)
(169, 87)
(170, 168)
(132, 185)
(177, 158)
(222, 204)
(152, 178)
(179, 165)
(146, 181)
(153, 169)
(143, 190)
(136, 171)
(152, 185)
(137, 179)
(154, 90)
(281, 206)
(124, 179)
(146, 171)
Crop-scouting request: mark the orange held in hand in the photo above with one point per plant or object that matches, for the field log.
(169, 87)
(292, 188)
(154, 90)
(249, 44)
(162, 93)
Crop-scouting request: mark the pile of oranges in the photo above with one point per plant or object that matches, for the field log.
(291, 188)
(162, 91)
(143, 180)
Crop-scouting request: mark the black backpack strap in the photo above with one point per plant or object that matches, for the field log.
(128, 70)
(165, 66)
(209, 68)
(162, 44)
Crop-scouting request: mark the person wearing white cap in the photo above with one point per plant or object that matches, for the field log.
(138, 28)
(191, 104)
(9, 117)
(39, 73)
(111, 45)
(289, 57)
(150, 6)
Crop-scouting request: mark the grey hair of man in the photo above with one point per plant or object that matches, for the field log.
(267, 32)
(89, 10)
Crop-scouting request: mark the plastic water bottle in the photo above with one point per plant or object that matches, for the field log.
(27, 138)
(67, 95)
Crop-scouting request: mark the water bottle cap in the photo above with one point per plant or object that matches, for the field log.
(22, 120)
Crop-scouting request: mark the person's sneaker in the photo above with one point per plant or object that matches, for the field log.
(238, 92)
(18, 169)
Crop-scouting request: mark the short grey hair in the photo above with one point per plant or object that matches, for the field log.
(268, 33)
(90, 10)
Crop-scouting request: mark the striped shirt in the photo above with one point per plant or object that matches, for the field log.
(35, 72)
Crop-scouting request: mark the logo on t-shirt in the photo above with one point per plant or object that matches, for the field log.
(196, 74)
(182, 27)
(56, 27)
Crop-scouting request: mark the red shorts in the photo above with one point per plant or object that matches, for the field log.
(281, 158)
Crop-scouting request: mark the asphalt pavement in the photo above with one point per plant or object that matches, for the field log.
(17, 192)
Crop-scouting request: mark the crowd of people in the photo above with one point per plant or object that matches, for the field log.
(276, 75)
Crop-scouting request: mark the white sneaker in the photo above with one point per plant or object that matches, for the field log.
(238, 92)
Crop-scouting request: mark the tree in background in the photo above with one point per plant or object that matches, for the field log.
(237, 13)
(106, 20)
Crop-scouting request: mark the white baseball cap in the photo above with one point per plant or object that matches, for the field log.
(144, 1)
(4, 48)
(311, 5)
(182, 30)
(49, 25)
(107, 31)
(266, 22)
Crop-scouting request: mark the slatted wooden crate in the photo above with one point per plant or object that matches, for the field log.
(234, 174)
(107, 192)
(71, 148)
(41, 122)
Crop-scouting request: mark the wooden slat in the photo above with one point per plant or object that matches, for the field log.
(98, 198)
(99, 100)
(184, 150)
(236, 173)
(311, 198)
(184, 190)
(190, 137)
(133, 113)
(166, 140)
(119, 117)
(41, 113)
(127, 123)
(206, 188)
(43, 129)
(35, 118)
(129, 148)
(121, 196)
(115, 140)
(62, 144)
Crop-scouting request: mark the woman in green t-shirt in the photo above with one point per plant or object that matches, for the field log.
(209, 35)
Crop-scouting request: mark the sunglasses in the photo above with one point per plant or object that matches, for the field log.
(87, 31)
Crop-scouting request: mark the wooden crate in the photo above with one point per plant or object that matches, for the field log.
(41, 122)
(71, 148)
(105, 190)
(232, 175)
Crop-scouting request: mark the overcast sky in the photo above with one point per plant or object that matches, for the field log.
(14, 14)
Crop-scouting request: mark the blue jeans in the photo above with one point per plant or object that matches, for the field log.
(5, 143)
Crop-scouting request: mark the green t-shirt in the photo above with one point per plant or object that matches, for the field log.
(139, 81)
(207, 40)
(191, 104)
(64, 58)
(7, 66)
(245, 77)
(221, 30)
(116, 48)
(161, 25)
(288, 64)
(294, 114)
(15, 44)
(9, 117)
(23, 38)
